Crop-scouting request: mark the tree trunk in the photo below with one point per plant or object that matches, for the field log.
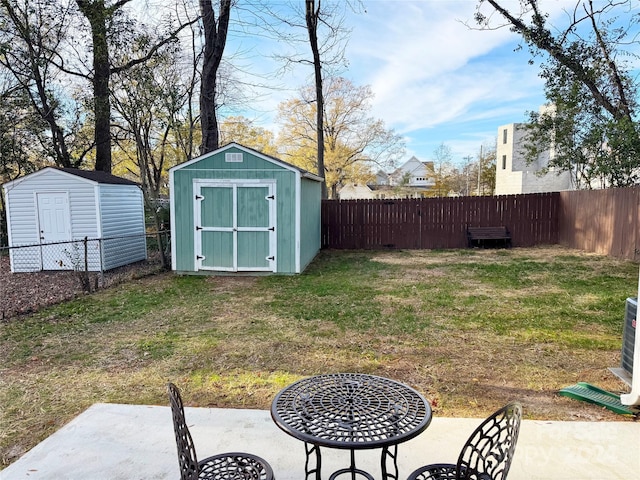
(97, 13)
(215, 35)
(312, 15)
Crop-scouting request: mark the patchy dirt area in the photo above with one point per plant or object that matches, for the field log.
(22, 293)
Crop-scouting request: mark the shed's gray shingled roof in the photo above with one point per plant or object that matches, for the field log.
(97, 176)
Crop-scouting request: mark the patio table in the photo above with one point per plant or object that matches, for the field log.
(351, 411)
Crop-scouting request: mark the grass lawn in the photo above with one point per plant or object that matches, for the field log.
(471, 329)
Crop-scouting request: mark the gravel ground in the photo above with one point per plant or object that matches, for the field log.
(22, 293)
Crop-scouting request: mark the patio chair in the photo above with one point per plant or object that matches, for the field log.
(227, 466)
(486, 455)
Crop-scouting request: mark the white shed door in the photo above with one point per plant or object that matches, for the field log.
(235, 226)
(54, 222)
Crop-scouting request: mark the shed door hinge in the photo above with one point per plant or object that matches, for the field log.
(272, 229)
(198, 228)
(199, 197)
(272, 258)
(199, 257)
(271, 197)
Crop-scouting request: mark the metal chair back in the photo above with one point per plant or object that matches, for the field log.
(488, 453)
(187, 458)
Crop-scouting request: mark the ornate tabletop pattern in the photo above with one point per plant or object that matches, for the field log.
(351, 410)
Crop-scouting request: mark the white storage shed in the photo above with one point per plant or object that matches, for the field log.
(51, 211)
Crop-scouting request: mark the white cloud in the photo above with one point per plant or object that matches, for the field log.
(419, 41)
(429, 70)
(434, 78)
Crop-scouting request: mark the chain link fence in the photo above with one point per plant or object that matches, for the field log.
(34, 276)
(4, 240)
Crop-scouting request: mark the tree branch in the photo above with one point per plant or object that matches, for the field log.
(541, 38)
(137, 61)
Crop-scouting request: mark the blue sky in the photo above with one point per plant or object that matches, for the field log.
(438, 81)
(435, 80)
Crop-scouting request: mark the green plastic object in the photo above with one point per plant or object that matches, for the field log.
(588, 393)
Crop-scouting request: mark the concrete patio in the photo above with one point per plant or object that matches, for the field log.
(111, 442)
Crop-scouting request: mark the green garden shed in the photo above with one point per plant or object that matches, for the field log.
(236, 210)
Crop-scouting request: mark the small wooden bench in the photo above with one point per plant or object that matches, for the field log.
(488, 236)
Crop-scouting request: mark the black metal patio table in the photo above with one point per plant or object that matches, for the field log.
(351, 411)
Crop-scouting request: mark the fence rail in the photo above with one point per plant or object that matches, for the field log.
(54, 272)
(437, 222)
(87, 254)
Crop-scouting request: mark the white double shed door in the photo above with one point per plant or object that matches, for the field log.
(235, 225)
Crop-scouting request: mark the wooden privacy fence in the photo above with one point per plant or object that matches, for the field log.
(601, 221)
(437, 222)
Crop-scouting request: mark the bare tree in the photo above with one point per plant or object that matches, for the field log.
(312, 17)
(215, 36)
(32, 33)
(102, 19)
(19, 128)
(331, 18)
(443, 170)
(187, 130)
(322, 22)
(147, 98)
(98, 15)
(354, 141)
(242, 130)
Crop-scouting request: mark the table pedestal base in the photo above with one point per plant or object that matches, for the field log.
(386, 455)
(353, 472)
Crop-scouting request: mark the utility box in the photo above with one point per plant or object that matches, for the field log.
(629, 336)
(625, 371)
